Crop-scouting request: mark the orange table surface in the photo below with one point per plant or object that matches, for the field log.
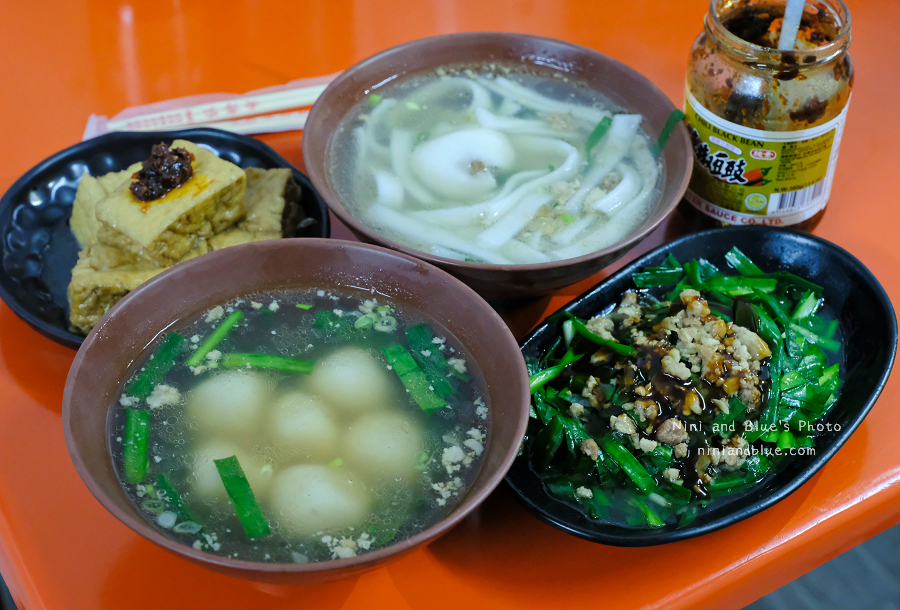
(61, 60)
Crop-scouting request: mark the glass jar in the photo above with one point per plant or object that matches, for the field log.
(766, 124)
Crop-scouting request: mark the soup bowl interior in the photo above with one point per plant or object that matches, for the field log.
(624, 88)
(109, 354)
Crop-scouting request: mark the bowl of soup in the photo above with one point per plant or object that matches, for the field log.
(517, 163)
(296, 413)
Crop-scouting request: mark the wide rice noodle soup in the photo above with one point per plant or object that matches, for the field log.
(346, 447)
(495, 166)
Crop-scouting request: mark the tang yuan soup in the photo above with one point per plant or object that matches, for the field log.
(300, 426)
(495, 166)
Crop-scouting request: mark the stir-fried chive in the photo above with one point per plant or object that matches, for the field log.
(215, 338)
(597, 134)
(581, 329)
(242, 498)
(629, 464)
(413, 378)
(780, 307)
(739, 261)
(806, 307)
(267, 361)
(174, 498)
(671, 123)
(658, 277)
(541, 377)
(137, 432)
(160, 362)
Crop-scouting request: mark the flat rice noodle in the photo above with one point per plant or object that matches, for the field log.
(379, 215)
(513, 221)
(627, 189)
(521, 253)
(608, 153)
(536, 101)
(401, 151)
(522, 126)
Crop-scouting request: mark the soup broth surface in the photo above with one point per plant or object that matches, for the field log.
(341, 459)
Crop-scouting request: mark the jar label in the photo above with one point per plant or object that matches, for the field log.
(751, 176)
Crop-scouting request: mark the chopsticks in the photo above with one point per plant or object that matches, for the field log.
(260, 111)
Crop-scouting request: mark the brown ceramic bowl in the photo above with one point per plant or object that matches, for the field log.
(108, 355)
(623, 87)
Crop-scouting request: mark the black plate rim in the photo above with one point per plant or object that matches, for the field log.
(15, 191)
(640, 538)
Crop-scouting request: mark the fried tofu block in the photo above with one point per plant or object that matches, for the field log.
(90, 191)
(272, 202)
(84, 218)
(113, 180)
(165, 230)
(100, 278)
(273, 209)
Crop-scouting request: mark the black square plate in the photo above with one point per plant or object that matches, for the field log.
(38, 248)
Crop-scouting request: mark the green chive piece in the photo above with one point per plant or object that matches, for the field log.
(174, 498)
(137, 433)
(215, 338)
(267, 361)
(630, 464)
(245, 505)
(162, 360)
(413, 378)
(667, 130)
(597, 135)
(374, 98)
(303, 306)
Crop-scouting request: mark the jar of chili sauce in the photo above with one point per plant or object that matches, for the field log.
(766, 124)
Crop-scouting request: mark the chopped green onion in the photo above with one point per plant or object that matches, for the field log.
(267, 361)
(153, 506)
(154, 369)
(215, 338)
(245, 505)
(567, 218)
(303, 306)
(137, 433)
(365, 321)
(386, 324)
(373, 99)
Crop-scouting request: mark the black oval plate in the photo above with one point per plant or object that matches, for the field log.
(38, 248)
(869, 328)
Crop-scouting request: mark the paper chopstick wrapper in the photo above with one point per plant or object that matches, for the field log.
(254, 112)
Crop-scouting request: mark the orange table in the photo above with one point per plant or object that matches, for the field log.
(59, 549)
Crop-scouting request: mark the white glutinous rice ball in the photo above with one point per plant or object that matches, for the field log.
(207, 483)
(311, 498)
(229, 404)
(303, 426)
(383, 445)
(353, 380)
